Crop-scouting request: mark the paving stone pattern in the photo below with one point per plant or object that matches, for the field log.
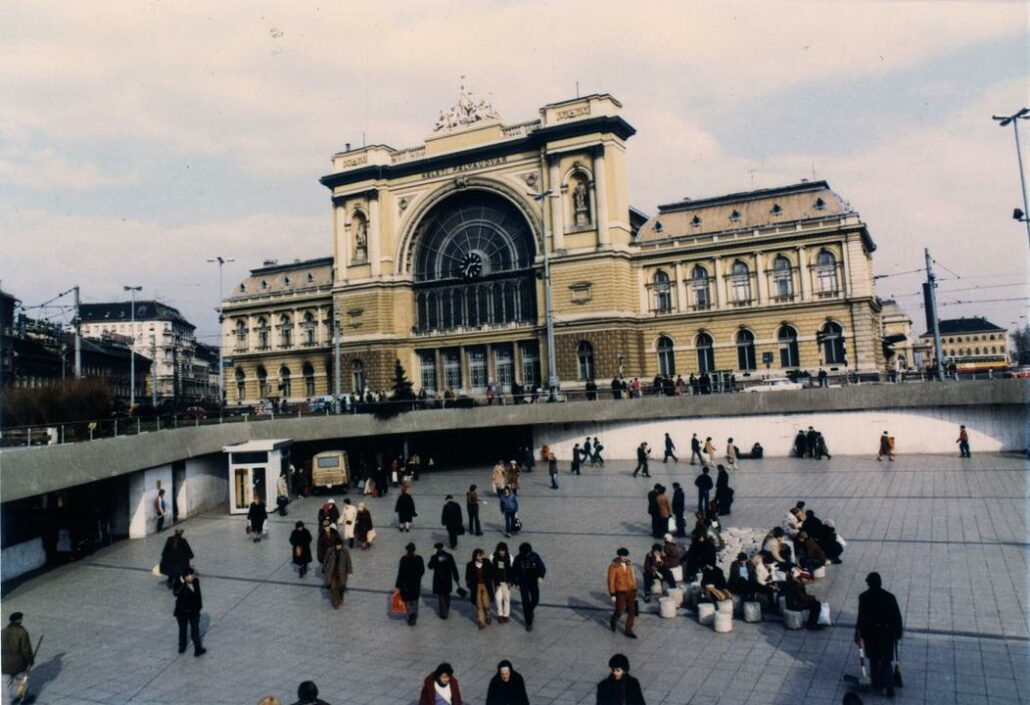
(948, 535)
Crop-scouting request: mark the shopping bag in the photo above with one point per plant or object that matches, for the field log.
(156, 570)
(824, 615)
(396, 603)
(371, 535)
(264, 528)
(898, 681)
(672, 525)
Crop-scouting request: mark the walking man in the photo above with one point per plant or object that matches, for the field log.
(529, 571)
(663, 510)
(509, 508)
(472, 503)
(878, 630)
(619, 688)
(622, 586)
(577, 461)
(552, 469)
(452, 520)
(445, 577)
(704, 486)
(17, 656)
(188, 603)
(338, 566)
(963, 443)
(695, 450)
(641, 460)
(670, 448)
(480, 580)
(886, 447)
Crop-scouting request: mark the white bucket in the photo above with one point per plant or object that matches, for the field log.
(705, 613)
(667, 607)
(723, 622)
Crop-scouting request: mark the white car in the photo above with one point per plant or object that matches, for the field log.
(774, 384)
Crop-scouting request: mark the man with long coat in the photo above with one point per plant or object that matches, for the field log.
(326, 540)
(879, 629)
(409, 581)
(338, 566)
(445, 577)
(452, 520)
(175, 557)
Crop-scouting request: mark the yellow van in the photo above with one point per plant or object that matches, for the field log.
(329, 469)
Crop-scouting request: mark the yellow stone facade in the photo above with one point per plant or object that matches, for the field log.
(438, 256)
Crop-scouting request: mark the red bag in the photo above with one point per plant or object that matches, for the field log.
(396, 603)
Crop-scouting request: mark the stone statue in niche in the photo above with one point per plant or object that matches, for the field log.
(360, 239)
(581, 203)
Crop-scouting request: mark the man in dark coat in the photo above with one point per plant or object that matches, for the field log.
(619, 688)
(256, 515)
(879, 629)
(175, 557)
(445, 578)
(810, 442)
(723, 491)
(409, 581)
(188, 604)
(452, 520)
(300, 540)
(15, 651)
(652, 510)
(800, 445)
(528, 570)
(679, 508)
(507, 687)
(405, 509)
(703, 482)
(695, 449)
(670, 450)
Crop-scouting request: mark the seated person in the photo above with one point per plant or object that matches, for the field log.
(763, 582)
(713, 584)
(777, 547)
(700, 554)
(655, 569)
(824, 535)
(810, 555)
(799, 600)
(671, 552)
(757, 451)
(831, 544)
(792, 521)
(741, 577)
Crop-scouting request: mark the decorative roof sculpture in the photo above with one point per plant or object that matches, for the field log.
(466, 111)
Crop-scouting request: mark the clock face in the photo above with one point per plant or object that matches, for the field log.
(471, 265)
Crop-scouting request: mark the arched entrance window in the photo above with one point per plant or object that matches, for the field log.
(241, 385)
(699, 288)
(310, 328)
(740, 280)
(788, 339)
(284, 382)
(833, 344)
(263, 333)
(262, 378)
(826, 272)
(585, 354)
(666, 357)
(309, 380)
(783, 279)
(705, 353)
(746, 350)
(357, 376)
(662, 292)
(241, 336)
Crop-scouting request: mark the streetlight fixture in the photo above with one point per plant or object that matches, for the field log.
(552, 365)
(221, 261)
(132, 346)
(1005, 121)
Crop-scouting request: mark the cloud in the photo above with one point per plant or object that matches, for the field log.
(46, 169)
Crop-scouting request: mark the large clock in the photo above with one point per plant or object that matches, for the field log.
(471, 265)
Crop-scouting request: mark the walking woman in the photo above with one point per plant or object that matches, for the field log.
(723, 492)
(440, 686)
(507, 687)
(257, 516)
(405, 509)
(300, 540)
(503, 578)
(409, 581)
(363, 530)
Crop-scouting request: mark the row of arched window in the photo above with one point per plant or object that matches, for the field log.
(955, 352)
(285, 386)
(740, 282)
(832, 353)
(285, 327)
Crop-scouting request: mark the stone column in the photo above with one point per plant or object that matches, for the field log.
(343, 253)
(601, 189)
(557, 205)
(802, 274)
(760, 280)
(374, 231)
(717, 295)
(845, 271)
(681, 289)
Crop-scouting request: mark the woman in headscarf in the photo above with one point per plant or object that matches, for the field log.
(300, 540)
(326, 538)
(723, 492)
(440, 687)
(363, 527)
(405, 509)
(507, 687)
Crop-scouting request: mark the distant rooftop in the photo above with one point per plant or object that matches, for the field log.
(121, 312)
(975, 324)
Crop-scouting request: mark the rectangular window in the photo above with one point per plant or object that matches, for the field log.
(504, 365)
(427, 369)
(477, 368)
(452, 369)
(530, 364)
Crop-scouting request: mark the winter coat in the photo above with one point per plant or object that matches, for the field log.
(703, 482)
(428, 695)
(797, 597)
(624, 691)
(679, 501)
(300, 539)
(328, 512)
(671, 554)
(409, 577)
(256, 515)
(349, 520)
(513, 476)
(509, 504)
(176, 556)
(445, 573)
(338, 566)
(187, 602)
(511, 693)
(362, 525)
(621, 577)
(450, 517)
(501, 568)
(662, 506)
(15, 649)
(498, 479)
(325, 542)
(471, 581)
(731, 453)
(879, 622)
(405, 508)
(528, 569)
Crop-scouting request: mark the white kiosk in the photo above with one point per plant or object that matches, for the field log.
(254, 468)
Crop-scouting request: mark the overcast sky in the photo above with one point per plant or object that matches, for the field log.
(139, 139)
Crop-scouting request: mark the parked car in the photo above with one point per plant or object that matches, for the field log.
(774, 384)
(329, 469)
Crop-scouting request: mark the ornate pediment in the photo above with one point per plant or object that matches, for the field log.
(467, 111)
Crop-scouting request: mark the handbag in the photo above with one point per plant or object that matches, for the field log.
(898, 681)
(397, 603)
(156, 570)
(371, 535)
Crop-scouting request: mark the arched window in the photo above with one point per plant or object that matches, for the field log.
(241, 385)
(783, 279)
(262, 378)
(745, 350)
(833, 344)
(976, 351)
(284, 382)
(666, 357)
(309, 379)
(705, 353)
(286, 330)
(241, 335)
(662, 292)
(585, 354)
(263, 333)
(826, 272)
(700, 289)
(788, 339)
(357, 376)
(740, 278)
(310, 328)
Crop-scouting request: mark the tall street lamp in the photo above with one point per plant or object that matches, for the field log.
(132, 346)
(221, 261)
(1005, 121)
(552, 365)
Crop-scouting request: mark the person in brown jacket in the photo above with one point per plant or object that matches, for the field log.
(812, 556)
(622, 586)
(664, 511)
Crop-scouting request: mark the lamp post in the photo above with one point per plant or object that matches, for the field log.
(552, 365)
(1004, 121)
(132, 346)
(221, 261)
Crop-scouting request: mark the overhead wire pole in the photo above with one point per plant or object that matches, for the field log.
(77, 323)
(1014, 119)
(553, 383)
(222, 261)
(932, 321)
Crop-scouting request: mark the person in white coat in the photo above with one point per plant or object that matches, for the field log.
(348, 518)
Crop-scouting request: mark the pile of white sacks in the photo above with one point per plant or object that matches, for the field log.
(738, 539)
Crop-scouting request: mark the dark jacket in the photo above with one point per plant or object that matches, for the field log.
(879, 622)
(740, 584)
(714, 577)
(325, 542)
(703, 482)
(511, 693)
(256, 515)
(528, 569)
(15, 649)
(797, 597)
(301, 539)
(428, 695)
(679, 501)
(625, 691)
(445, 572)
(187, 602)
(405, 508)
(695, 444)
(176, 556)
(409, 577)
(450, 517)
(502, 571)
(332, 514)
(652, 502)
(471, 582)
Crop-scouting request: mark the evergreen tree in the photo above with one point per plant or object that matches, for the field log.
(402, 387)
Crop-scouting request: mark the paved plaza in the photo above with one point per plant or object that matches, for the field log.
(948, 535)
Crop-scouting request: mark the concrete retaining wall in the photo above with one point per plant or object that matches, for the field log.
(143, 486)
(22, 558)
(206, 486)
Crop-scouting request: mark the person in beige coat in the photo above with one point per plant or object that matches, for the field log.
(348, 518)
(731, 455)
(499, 479)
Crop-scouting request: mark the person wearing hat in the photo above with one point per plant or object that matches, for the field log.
(329, 511)
(619, 688)
(409, 581)
(300, 540)
(338, 567)
(327, 538)
(886, 447)
(349, 517)
(175, 556)
(15, 653)
(440, 686)
(507, 687)
(622, 586)
(445, 577)
(878, 630)
(188, 603)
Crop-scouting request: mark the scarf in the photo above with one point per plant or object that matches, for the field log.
(443, 692)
